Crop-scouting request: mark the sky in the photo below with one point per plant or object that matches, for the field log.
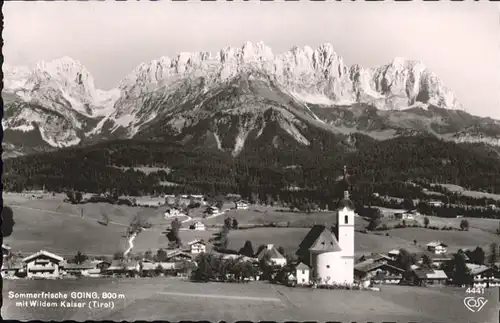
(460, 42)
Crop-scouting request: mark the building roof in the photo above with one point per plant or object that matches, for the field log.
(6, 247)
(196, 241)
(422, 273)
(319, 238)
(477, 269)
(394, 251)
(82, 266)
(367, 266)
(273, 253)
(435, 244)
(345, 203)
(43, 253)
(302, 266)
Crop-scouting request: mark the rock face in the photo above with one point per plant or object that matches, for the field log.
(233, 96)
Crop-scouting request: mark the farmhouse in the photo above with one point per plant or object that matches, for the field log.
(198, 226)
(436, 247)
(173, 212)
(197, 246)
(331, 254)
(86, 268)
(393, 254)
(178, 255)
(212, 210)
(241, 205)
(424, 277)
(11, 268)
(435, 203)
(438, 261)
(378, 272)
(275, 257)
(43, 264)
(484, 276)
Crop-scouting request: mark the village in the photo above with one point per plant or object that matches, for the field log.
(324, 259)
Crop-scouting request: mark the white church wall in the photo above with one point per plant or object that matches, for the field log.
(329, 268)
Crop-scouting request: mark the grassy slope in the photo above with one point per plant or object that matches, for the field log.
(58, 227)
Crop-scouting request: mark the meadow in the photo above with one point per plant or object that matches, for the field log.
(59, 227)
(175, 300)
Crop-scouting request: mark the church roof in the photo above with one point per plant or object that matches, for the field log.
(346, 203)
(319, 238)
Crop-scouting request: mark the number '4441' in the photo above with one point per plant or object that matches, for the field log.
(475, 290)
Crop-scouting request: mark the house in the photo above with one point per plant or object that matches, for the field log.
(424, 277)
(275, 257)
(378, 272)
(393, 254)
(11, 268)
(212, 210)
(43, 264)
(438, 261)
(86, 268)
(492, 206)
(173, 212)
(435, 203)
(197, 246)
(178, 255)
(120, 267)
(303, 274)
(484, 276)
(198, 226)
(436, 247)
(241, 205)
(330, 253)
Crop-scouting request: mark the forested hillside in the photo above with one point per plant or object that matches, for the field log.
(115, 166)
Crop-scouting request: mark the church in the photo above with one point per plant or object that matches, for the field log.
(329, 252)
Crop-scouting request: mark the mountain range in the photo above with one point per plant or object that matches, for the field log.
(234, 99)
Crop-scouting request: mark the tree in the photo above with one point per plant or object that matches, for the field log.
(408, 204)
(374, 220)
(161, 255)
(148, 255)
(235, 224)
(477, 256)
(227, 222)
(458, 271)
(203, 271)
(80, 258)
(492, 257)
(71, 196)
(464, 225)
(404, 261)
(415, 242)
(247, 249)
(78, 196)
(118, 255)
(426, 262)
(426, 222)
(173, 234)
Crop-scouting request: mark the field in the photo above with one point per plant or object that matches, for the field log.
(59, 227)
(176, 300)
(454, 239)
(465, 192)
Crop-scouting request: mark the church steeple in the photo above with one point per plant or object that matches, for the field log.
(346, 185)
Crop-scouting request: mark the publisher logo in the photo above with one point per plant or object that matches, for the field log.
(475, 304)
